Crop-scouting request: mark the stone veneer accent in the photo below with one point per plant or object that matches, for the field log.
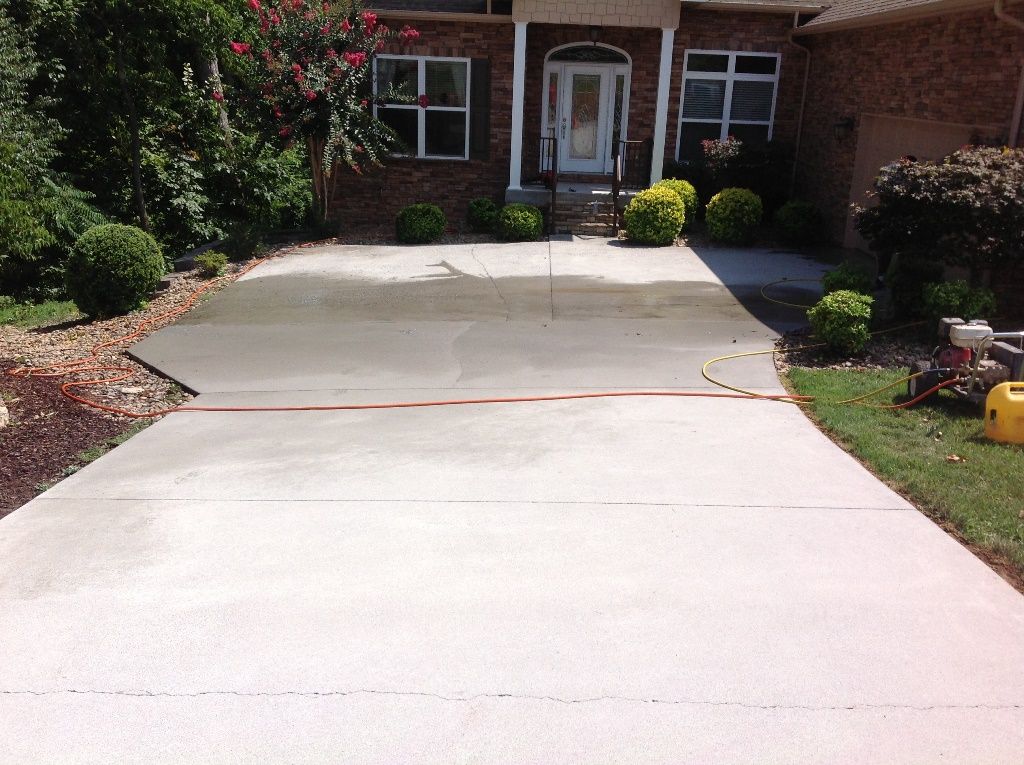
(662, 14)
(960, 68)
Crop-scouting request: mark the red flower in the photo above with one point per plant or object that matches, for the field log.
(408, 35)
(239, 48)
(424, 101)
(370, 20)
(277, 112)
(364, 103)
(296, 68)
(217, 96)
(326, 29)
(326, 7)
(285, 131)
(354, 59)
(332, 53)
(310, 95)
(379, 46)
(346, 25)
(255, 5)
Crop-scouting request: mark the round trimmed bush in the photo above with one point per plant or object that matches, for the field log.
(799, 223)
(112, 269)
(483, 214)
(733, 215)
(687, 193)
(841, 320)
(655, 216)
(519, 223)
(848, 277)
(420, 223)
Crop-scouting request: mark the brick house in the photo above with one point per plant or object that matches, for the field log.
(844, 85)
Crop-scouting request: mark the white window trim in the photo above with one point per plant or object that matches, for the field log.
(730, 76)
(421, 85)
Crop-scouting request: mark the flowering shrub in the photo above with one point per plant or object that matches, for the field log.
(313, 65)
(733, 215)
(721, 155)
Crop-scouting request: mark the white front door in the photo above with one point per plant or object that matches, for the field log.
(583, 131)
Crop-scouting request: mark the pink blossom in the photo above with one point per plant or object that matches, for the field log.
(285, 131)
(296, 68)
(217, 96)
(346, 25)
(424, 101)
(255, 5)
(332, 53)
(239, 48)
(326, 29)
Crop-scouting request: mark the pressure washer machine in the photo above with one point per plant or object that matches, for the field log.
(974, 356)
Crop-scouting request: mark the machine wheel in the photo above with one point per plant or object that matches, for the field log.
(928, 379)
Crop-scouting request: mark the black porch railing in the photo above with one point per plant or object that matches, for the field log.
(540, 166)
(631, 170)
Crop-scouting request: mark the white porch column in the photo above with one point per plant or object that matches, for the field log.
(515, 166)
(661, 109)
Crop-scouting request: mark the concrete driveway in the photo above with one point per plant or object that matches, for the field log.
(630, 580)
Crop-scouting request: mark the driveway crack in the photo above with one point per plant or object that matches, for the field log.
(851, 707)
(504, 302)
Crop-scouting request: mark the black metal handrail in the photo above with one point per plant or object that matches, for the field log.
(540, 165)
(631, 169)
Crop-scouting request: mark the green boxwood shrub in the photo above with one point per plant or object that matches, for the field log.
(841, 320)
(848, 277)
(655, 216)
(687, 193)
(112, 269)
(959, 299)
(420, 224)
(733, 215)
(799, 224)
(483, 214)
(519, 223)
(211, 264)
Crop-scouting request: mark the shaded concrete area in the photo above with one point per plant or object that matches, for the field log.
(634, 580)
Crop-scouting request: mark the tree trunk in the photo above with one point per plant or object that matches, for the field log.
(136, 140)
(222, 113)
(320, 178)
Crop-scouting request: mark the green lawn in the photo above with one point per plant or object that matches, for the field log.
(981, 496)
(27, 316)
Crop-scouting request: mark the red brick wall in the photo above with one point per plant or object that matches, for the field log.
(739, 31)
(379, 195)
(960, 68)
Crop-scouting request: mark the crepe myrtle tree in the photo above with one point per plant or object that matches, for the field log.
(312, 65)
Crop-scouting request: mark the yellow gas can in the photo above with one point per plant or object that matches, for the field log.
(1004, 413)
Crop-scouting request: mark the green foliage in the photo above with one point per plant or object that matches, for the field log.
(957, 299)
(733, 215)
(906, 277)
(483, 214)
(966, 210)
(655, 216)
(420, 224)
(687, 193)
(799, 223)
(519, 223)
(113, 268)
(40, 212)
(28, 315)
(211, 263)
(848, 277)
(841, 320)
(244, 241)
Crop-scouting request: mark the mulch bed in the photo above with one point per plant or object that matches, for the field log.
(46, 433)
(896, 351)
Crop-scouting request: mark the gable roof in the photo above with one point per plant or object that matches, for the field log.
(848, 14)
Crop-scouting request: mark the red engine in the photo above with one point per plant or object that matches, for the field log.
(952, 357)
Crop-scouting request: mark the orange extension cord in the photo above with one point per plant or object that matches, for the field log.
(88, 364)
